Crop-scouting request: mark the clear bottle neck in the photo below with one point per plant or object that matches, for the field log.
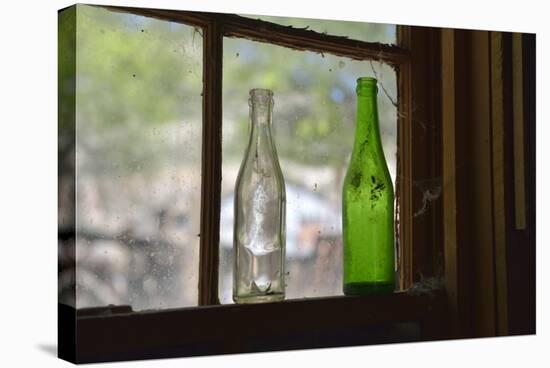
(261, 108)
(261, 147)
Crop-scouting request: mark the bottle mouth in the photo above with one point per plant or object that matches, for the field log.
(261, 96)
(366, 80)
(261, 92)
(367, 84)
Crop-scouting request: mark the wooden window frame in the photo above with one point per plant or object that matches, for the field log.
(104, 334)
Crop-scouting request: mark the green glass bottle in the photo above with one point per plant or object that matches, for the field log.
(367, 204)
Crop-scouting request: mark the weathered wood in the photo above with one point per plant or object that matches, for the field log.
(292, 324)
(308, 40)
(211, 163)
(528, 318)
(418, 179)
(424, 178)
(480, 185)
(476, 100)
(519, 148)
(521, 243)
(404, 167)
(449, 173)
(498, 165)
(294, 38)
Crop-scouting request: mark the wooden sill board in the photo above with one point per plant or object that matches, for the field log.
(222, 329)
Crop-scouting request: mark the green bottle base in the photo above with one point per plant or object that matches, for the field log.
(368, 288)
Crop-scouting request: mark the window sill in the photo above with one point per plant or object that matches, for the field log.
(291, 324)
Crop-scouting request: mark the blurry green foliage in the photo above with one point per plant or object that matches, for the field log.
(314, 94)
(136, 68)
(137, 78)
(136, 74)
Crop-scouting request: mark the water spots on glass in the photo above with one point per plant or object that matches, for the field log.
(337, 95)
(131, 156)
(149, 285)
(341, 64)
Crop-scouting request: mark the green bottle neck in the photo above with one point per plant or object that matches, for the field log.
(367, 130)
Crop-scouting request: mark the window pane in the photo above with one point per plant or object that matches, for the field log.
(370, 32)
(139, 84)
(314, 122)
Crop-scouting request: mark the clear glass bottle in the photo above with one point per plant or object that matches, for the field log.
(367, 204)
(259, 227)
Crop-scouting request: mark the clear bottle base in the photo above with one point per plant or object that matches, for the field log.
(258, 298)
(368, 288)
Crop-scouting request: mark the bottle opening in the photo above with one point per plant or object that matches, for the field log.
(365, 80)
(261, 96)
(366, 85)
(261, 92)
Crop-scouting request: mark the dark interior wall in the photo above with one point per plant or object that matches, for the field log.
(495, 293)
(521, 249)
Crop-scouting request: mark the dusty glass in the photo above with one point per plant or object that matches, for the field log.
(138, 160)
